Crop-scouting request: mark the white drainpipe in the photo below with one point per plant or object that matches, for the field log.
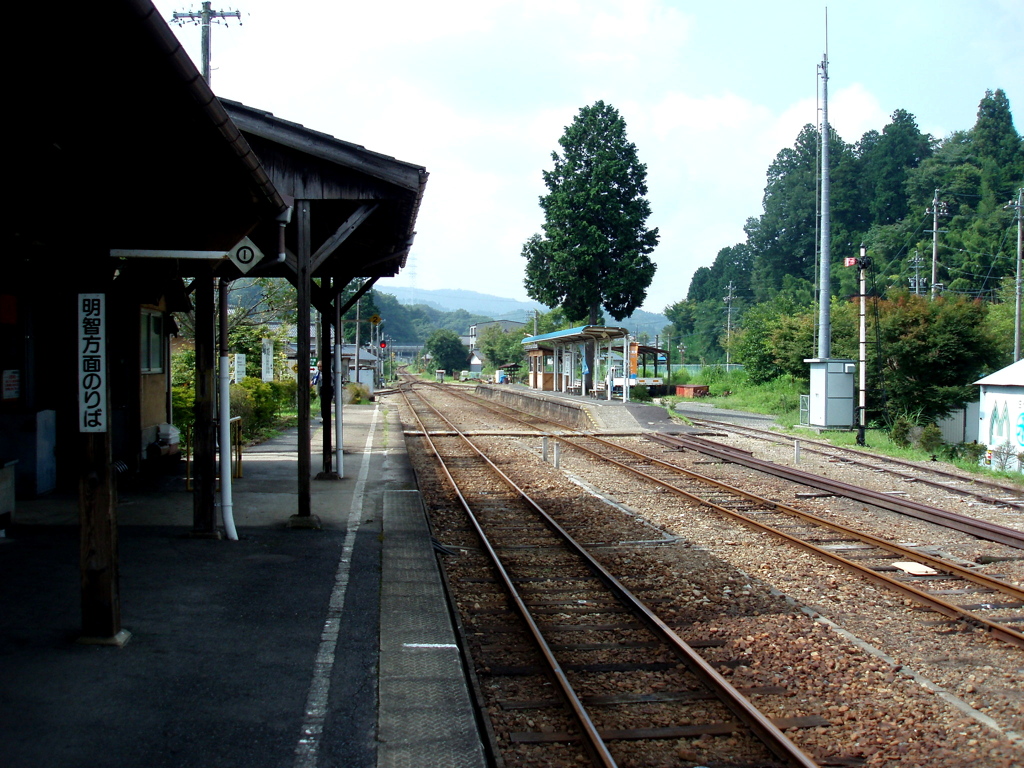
(338, 399)
(225, 450)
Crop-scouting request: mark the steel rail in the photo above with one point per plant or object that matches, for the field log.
(593, 742)
(948, 609)
(848, 454)
(982, 529)
(979, 528)
(1004, 633)
(770, 735)
(897, 549)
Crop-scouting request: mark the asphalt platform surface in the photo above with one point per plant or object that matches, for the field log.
(284, 649)
(259, 652)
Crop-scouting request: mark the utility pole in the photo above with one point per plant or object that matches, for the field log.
(203, 18)
(728, 323)
(1019, 204)
(825, 269)
(915, 264)
(939, 208)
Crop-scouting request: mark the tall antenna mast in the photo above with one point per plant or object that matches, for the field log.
(203, 18)
(824, 271)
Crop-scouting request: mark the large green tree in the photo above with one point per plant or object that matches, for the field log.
(501, 347)
(446, 350)
(783, 240)
(998, 145)
(732, 267)
(930, 352)
(886, 161)
(595, 251)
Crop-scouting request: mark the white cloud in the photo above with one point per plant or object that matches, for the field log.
(480, 93)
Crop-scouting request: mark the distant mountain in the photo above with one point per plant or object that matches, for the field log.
(500, 308)
(450, 300)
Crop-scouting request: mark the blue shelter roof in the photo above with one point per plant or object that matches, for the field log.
(578, 335)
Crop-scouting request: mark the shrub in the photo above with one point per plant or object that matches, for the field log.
(1004, 456)
(183, 368)
(243, 405)
(900, 432)
(712, 374)
(968, 452)
(640, 394)
(183, 407)
(931, 439)
(355, 394)
(285, 393)
(264, 402)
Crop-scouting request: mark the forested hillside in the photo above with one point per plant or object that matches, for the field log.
(414, 323)
(884, 188)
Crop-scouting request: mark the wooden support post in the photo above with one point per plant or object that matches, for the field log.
(97, 499)
(304, 517)
(204, 432)
(97, 494)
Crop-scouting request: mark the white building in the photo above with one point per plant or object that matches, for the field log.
(478, 328)
(1002, 417)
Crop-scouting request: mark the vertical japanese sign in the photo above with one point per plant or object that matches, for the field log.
(92, 365)
(634, 353)
(268, 359)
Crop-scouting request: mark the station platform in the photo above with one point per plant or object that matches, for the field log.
(288, 647)
(600, 414)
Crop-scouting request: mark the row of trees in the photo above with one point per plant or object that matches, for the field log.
(922, 355)
(885, 190)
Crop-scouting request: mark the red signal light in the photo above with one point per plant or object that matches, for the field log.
(383, 345)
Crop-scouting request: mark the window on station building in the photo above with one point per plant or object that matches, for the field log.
(151, 342)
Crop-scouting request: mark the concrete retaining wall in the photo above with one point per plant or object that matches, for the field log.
(564, 412)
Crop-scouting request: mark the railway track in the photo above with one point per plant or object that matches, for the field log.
(936, 580)
(572, 607)
(954, 590)
(978, 488)
(979, 528)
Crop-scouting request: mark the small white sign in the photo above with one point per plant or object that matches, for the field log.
(268, 359)
(239, 367)
(245, 255)
(12, 385)
(92, 362)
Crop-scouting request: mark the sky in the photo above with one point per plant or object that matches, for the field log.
(480, 92)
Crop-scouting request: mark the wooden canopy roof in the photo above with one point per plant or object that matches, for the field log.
(118, 142)
(363, 204)
(120, 145)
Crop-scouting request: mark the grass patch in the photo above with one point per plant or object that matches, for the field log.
(878, 441)
(781, 399)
